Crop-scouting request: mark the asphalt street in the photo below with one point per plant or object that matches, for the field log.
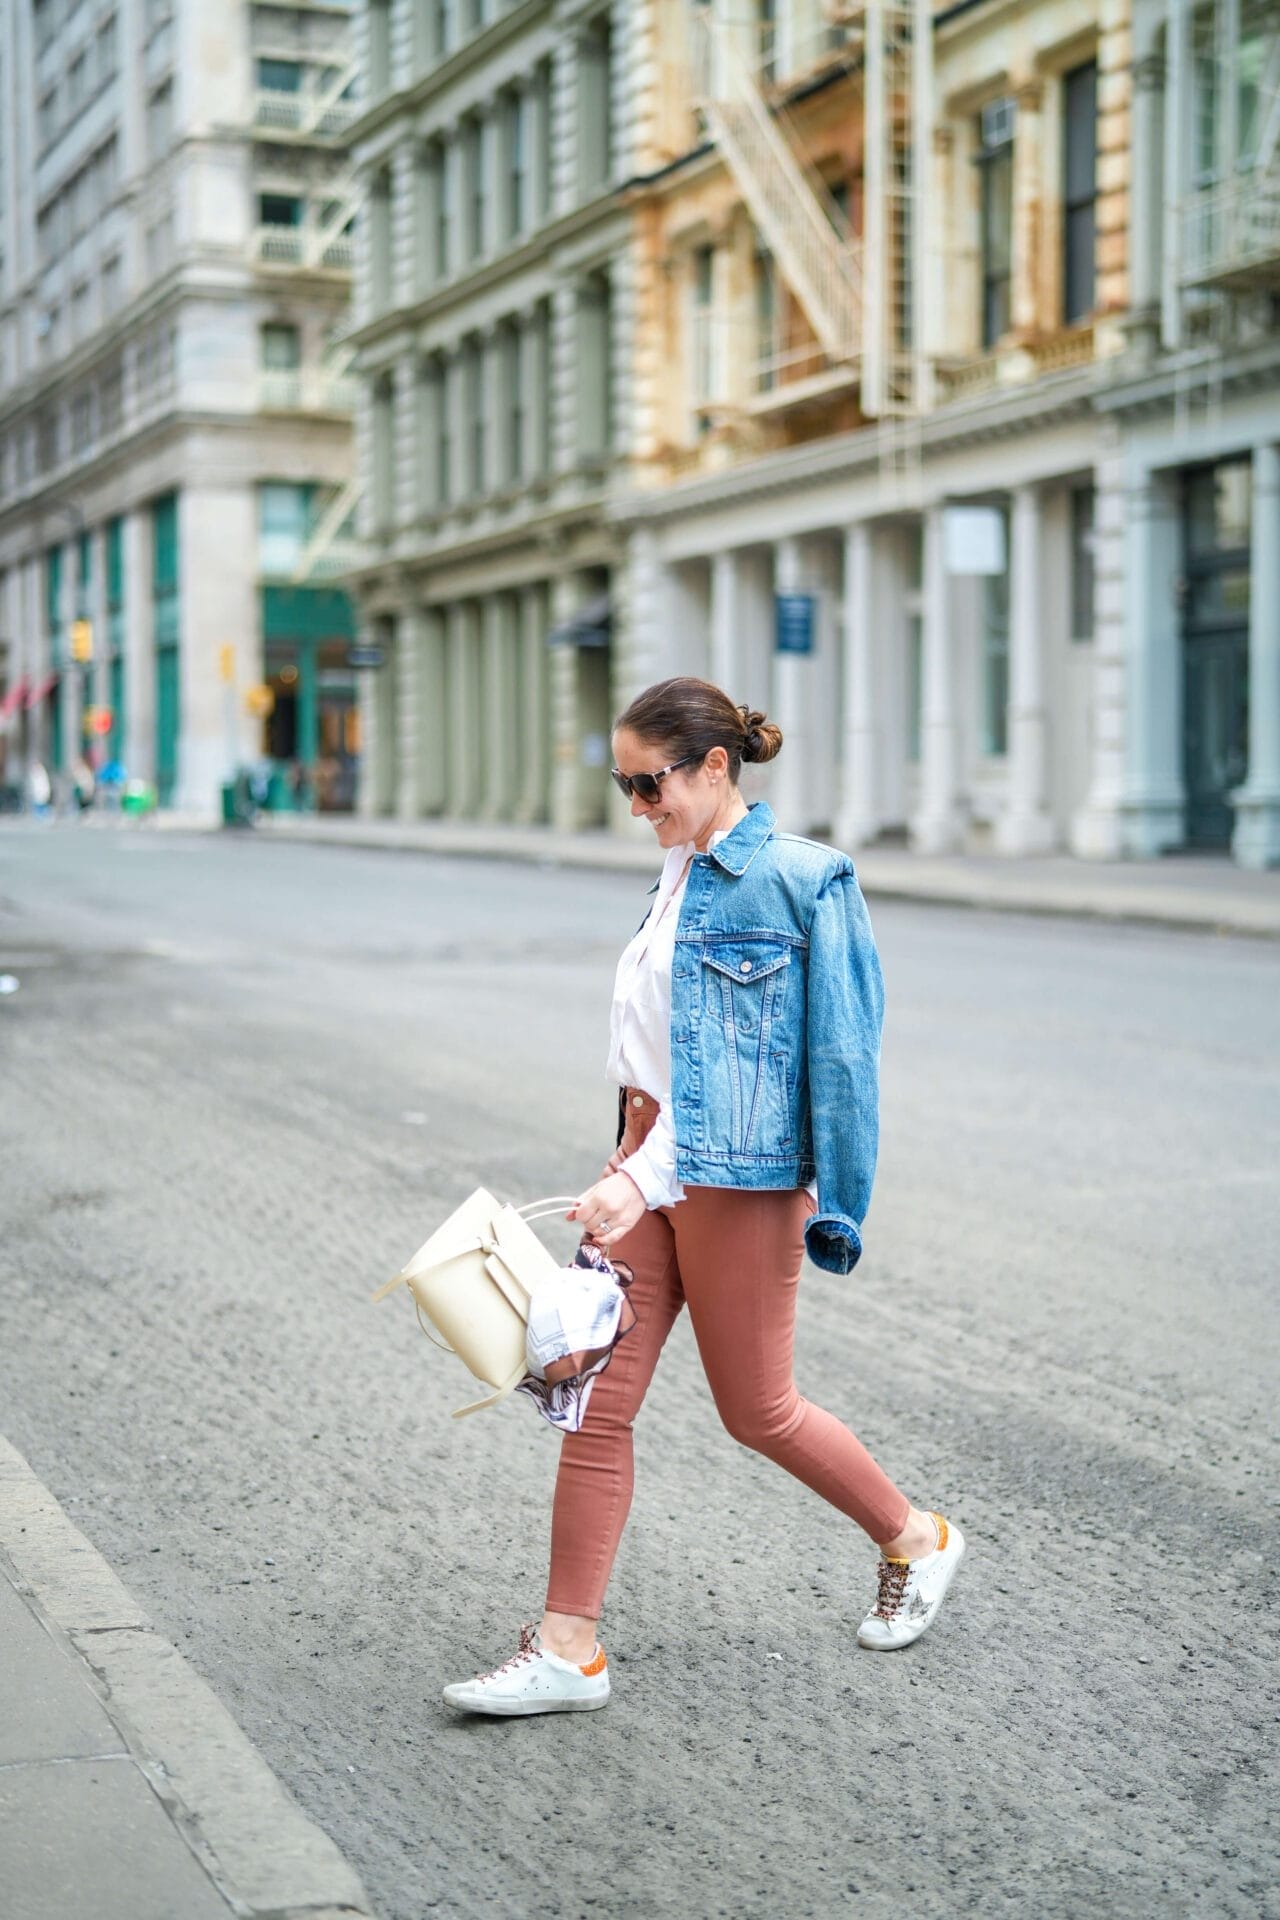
(240, 1082)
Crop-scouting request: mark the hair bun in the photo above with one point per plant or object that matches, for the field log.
(761, 738)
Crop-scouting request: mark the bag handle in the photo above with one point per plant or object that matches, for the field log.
(543, 1209)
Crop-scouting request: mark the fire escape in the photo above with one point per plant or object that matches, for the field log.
(858, 293)
(1224, 106)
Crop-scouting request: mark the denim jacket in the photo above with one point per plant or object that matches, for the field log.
(776, 1009)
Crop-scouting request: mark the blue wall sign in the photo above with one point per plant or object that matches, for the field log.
(793, 622)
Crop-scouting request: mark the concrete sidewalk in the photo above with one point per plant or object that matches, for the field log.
(1199, 893)
(126, 1791)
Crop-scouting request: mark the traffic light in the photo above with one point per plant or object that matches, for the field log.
(82, 640)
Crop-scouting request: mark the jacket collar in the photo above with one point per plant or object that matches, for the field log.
(738, 849)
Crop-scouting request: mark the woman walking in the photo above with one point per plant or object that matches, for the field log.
(745, 1036)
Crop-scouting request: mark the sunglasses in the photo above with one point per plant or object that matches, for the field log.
(649, 785)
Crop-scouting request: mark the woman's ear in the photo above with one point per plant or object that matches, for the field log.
(717, 763)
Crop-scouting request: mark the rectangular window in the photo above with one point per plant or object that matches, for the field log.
(446, 169)
(279, 210)
(115, 565)
(595, 368)
(383, 422)
(281, 347)
(703, 345)
(1080, 191)
(446, 22)
(427, 398)
(284, 524)
(595, 109)
(160, 121)
(280, 76)
(995, 161)
(474, 414)
(513, 391)
(379, 19)
(1082, 551)
(516, 142)
(473, 146)
(1206, 97)
(380, 240)
(767, 345)
(112, 401)
(444, 432)
(105, 50)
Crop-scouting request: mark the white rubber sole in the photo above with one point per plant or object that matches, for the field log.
(518, 1709)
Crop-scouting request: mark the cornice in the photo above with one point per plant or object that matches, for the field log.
(967, 423)
(1246, 370)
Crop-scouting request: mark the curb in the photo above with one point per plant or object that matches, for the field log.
(261, 1852)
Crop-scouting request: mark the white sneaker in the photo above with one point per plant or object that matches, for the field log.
(534, 1680)
(911, 1592)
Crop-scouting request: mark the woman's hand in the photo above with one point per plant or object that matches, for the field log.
(610, 1209)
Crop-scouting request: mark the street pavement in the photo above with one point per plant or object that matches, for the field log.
(241, 1079)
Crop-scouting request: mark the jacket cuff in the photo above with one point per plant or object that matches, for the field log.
(833, 1242)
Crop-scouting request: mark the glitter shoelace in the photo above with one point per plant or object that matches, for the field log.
(892, 1577)
(525, 1651)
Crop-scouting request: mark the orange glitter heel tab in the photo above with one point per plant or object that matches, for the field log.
(598, 1665)
(942, 1532)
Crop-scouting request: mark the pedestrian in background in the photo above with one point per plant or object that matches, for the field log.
(745, 1036)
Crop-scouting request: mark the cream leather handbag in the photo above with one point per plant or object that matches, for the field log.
(473, 1279)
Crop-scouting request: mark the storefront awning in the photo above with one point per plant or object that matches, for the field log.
(590, 626)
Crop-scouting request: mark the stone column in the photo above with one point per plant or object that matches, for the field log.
(1154, 792)
(1025, 825)
(566, 725)
(1096, 831)
(405, 668)
(792, 702)
(431, 753)
(1028, 219)
(463, 710)
(858, 819)
(218, 604)
(500, 726)
(1256, 841)
(939, 825)
(535, 719)
(1177, 164)
(139, 650)
(726, 621)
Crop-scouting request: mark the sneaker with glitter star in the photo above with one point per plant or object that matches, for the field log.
(534, 1680)
(910, 1592)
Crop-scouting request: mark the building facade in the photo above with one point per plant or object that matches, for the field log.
(176, 442)
(492, 322)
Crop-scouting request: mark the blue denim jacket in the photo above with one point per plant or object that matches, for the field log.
(776, 1007)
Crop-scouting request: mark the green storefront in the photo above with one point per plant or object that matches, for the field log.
(312, 732)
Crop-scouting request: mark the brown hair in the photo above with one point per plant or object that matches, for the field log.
(688, 717)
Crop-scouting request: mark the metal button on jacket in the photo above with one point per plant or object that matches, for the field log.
(745, 967)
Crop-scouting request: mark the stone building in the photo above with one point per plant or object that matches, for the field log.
(943, 419)
(491, 322)
(175, 417)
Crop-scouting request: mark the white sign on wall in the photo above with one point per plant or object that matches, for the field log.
(973, 539)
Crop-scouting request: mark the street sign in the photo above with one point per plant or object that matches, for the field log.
(793, 622)
(82, 640)
(365, 656)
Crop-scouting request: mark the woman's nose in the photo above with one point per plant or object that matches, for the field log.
(639, 807)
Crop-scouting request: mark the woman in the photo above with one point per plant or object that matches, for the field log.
(745, 1036)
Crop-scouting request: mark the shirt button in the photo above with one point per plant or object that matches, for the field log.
(637, 1100)
(745, 967)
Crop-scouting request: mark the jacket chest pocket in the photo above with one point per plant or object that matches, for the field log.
(744, 992)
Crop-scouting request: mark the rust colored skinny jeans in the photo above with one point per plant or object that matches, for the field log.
(734, 1258)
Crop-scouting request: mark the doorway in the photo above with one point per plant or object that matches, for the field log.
(1217, 512)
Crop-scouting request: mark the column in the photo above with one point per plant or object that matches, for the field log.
(1154, 791)
(858, 819)
(500, 724)
(566, 720)
(1028, 137)
(1025, 825)
(1256, 842)
(431, 699)
(792, 703)
(1097, 830)
(939, 825)
(405, 668)
(98, 678)
(535, 763)
(219, 604)
(726, 617)
(463, 711)
(139, 651)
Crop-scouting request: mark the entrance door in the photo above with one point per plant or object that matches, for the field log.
(1215, 650)
(166, 724)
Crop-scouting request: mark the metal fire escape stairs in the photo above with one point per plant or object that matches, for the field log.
(859, 295)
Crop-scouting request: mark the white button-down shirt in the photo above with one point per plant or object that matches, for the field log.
(640, 1028)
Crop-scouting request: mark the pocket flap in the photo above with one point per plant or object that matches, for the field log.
(746, 960)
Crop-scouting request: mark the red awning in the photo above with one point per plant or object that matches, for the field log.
(41, 690)
(13, 699)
